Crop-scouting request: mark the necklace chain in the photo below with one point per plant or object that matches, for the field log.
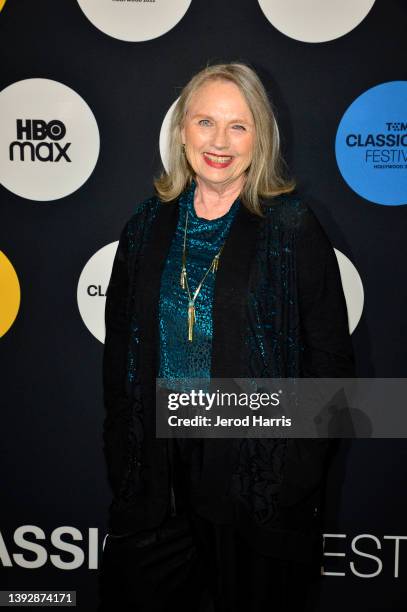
(184, 281)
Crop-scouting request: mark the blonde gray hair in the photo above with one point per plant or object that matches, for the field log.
(265, 177)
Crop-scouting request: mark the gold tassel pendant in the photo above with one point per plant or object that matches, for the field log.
(191, 319)
(183, 277)
(215, 263)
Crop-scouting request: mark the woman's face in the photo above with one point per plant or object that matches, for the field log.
(218, 133)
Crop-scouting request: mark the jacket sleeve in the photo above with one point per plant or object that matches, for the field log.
(327, 348)
(324, 326)
(116, 400)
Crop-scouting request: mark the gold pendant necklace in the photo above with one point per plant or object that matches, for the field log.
(184, 281)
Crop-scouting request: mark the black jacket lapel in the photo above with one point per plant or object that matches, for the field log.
(230, 298)
(148, 284)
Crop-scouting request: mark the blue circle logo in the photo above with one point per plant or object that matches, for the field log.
(371, 144)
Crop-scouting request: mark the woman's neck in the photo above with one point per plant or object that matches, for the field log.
(211, 202)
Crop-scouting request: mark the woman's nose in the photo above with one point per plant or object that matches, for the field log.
(220, 140)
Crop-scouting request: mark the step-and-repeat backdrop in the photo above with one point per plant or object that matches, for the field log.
(87, 89)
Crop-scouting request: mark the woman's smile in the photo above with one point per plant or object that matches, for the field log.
(217, 161)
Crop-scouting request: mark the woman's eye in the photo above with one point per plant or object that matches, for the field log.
(204, 122)
(239, 127)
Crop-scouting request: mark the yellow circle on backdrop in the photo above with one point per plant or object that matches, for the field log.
(9, 294)
(2, 3)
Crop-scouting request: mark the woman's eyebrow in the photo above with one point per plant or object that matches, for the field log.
(237, 120)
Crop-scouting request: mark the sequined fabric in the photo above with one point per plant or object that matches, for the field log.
(179, 357)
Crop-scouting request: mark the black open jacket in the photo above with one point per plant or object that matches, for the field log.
(278, 311)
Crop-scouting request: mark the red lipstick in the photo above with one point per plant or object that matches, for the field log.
(217, 164)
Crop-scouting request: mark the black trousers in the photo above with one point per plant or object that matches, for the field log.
(189, 563)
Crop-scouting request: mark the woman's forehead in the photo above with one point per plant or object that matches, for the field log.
(218, 96)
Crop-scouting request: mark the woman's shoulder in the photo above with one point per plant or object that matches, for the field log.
(290, 214)
(143, 212)
(288, 210)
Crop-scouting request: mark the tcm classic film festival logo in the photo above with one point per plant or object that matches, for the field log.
(49, 139)
(91, 290)
(67, 548)
(371, 144)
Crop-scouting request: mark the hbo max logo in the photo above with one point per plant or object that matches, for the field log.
(30, 137)
(50, 139)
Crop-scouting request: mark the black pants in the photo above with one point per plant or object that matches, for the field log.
(191, 564)
(152, 573)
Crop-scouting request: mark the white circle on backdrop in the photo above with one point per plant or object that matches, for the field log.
(315, 21)
(134, 20)
(353, 289)
(49, 139)
(92, 286)
(164, 135)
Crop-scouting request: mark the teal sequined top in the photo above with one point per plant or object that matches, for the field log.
(179, 357)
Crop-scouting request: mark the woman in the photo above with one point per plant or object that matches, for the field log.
(225, 273)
